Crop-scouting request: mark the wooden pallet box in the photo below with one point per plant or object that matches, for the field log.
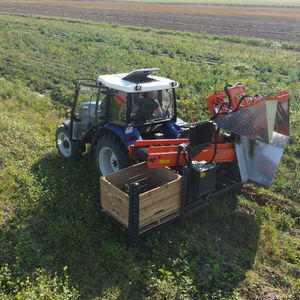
(159, 198)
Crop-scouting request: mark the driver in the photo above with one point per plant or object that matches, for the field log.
(148, 108)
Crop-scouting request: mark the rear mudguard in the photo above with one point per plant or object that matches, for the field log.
(126, 134)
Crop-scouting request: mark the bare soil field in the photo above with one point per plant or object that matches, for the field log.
(273, 23)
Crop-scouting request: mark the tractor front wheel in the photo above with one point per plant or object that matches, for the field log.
(66, 147)
(111, 155)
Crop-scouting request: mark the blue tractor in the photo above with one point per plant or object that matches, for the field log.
(115, 111)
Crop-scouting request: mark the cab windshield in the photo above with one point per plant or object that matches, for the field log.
(148, 107)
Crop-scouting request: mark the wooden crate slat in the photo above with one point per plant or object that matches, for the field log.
(137, 177)
(163, 174)
(117, 207)
(164, 202)
(122, 219)
(152, 196)
(151, 219)
(113, 203)
(158, 222)
(124, 174)
(150, 210)
(154, 212)
(162, 188)
(114, 194)
(115, 189)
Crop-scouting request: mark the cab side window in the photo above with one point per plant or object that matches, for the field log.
(102, 105)
(118, 107)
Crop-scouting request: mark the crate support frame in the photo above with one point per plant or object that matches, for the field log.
(133, 218)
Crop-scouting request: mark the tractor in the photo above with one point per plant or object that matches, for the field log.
(131, 117)
(116, 111)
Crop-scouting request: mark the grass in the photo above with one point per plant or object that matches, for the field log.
(232, 2)
(53, 242)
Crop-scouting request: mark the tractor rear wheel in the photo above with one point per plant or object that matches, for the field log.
(66, 147)
(111, 155)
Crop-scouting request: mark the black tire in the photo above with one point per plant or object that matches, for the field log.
(110, 155)
(66, 147)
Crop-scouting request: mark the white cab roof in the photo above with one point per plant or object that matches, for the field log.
(136, 81)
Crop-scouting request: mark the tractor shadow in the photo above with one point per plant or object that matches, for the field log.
(214, 248)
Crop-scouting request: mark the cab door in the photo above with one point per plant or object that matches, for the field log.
(89, 109)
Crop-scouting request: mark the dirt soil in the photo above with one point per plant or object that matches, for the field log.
(273, 23)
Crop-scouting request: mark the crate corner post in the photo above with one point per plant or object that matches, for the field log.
(133, 217)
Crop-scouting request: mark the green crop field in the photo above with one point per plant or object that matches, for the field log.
(53, 242)
(234, 2)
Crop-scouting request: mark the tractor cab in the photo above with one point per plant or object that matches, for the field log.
(140, 99)
(137, 99)
(114, 111)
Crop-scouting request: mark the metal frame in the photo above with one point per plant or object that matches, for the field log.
(133, 221)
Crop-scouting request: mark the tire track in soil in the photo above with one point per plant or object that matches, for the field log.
(283, 30)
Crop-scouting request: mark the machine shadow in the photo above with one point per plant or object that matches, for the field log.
(214, 248)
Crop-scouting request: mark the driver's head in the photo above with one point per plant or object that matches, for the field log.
(148, 94)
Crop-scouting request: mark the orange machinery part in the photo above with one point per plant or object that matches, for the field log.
(217, 101)
(163, 153)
